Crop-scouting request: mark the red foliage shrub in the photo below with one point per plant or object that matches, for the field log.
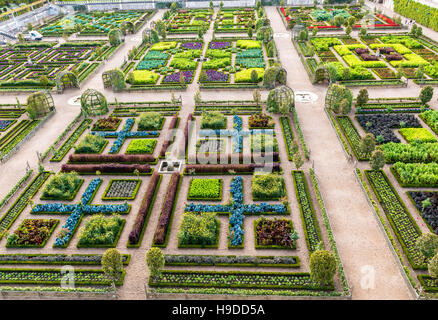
(134, 235)
(221, 168)
(168, 140)
(386, 50)
(110, 158)
(166, 211)
(394, 56)
(106, 168)
(274, 232)
(360, 51)
(369, 57)
(239, 158)
(186, 135)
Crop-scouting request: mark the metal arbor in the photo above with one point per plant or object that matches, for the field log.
(66, 79)
(279, 97)
(127, 26)
(274, 75)
(39, 104)
(93, 103)
(321, 74)
(296, 31)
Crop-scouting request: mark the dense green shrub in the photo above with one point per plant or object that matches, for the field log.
(267, 186)
(322, 266)
(90, 144)
(63, 186)
(99, 230)
(198, 229)
(150, 121)
(213, 120)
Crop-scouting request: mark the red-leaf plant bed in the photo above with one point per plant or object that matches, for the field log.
(111, 158)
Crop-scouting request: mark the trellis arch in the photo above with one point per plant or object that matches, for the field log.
(93, 103)
(114, 79)
(274, 76)
(39, 104)
(147, 34)
(278, 97)
(115, 37)
(127, 25)
(321, 74)
(265, 33)
(66, 79)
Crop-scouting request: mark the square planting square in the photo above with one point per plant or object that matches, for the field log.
(121, 189)
(205, 189)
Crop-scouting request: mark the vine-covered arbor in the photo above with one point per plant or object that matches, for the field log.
(265, 33)
(339, 98)
(321, 74)
(115, 37)
(66, 79)
(114, 79)
(280, 100)
(274, 76)
(39, 104)
(93, 103)
(127, 27)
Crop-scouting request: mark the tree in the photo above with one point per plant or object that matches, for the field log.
(363, 31)
(155, 261)
(163, 33)
(322, 266)
(250, 32)
(348, 30)
(65, 36)
(414, 30)
(258, 4)
(419, 32)
(314, 31)
(29, 26)
(221, 5)
(377, 160)
(367, 144)
(44, 80)
(344, 107)
(20, 37)
(420, 72)
(155, 37)
(112, 265)
(426, 94)
(427, 244)
(173, 6)
(362, 97)
(282, 3)
(257, 96)
(197, 97)
(351, 20)
(200, 33)
(211, 5)
(298, 160)
(433, 266)
(254, 76)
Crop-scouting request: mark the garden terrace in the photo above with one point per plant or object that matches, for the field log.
(322, 18)
(96, 23)
(24, 64)
(232, 61)
(167, 64)
(187, 21)
(235, 20)
(370, 60)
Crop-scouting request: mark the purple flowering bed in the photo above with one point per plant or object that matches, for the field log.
(219, 44)
(192, 45)
(174, 77)
(216, 76)
(4, 124)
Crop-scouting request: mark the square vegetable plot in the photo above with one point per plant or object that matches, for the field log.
(141, 146)
(32, 233)
(205, 189)
(121, 189)
(417, 134)
(274, 234)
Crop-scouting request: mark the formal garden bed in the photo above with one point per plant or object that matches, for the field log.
(36, 65)
(371, 60)
(96, 23)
